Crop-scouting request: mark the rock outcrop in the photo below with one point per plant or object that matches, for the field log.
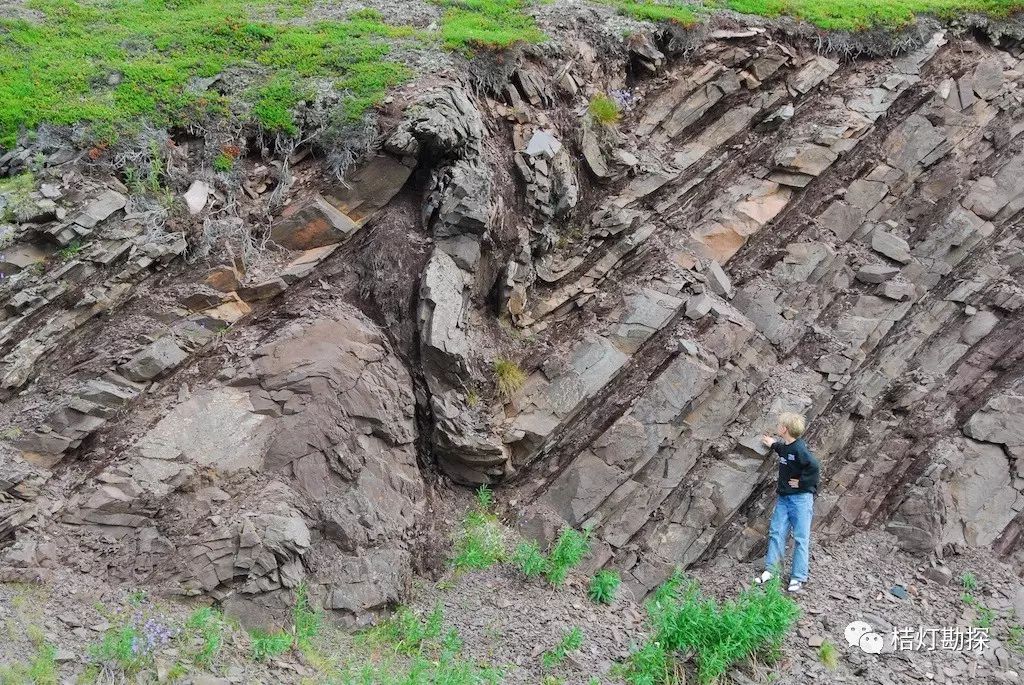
(766, 229)
(302, 468)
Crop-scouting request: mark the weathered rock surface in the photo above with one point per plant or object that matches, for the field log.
(304, 468)
(766, 229)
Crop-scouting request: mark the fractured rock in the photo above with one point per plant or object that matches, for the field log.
(892, 246)
(876, 273)
(196, 196)
(101, 208)
(154, 360)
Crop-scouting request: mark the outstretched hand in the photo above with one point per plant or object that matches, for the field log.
(767, 440)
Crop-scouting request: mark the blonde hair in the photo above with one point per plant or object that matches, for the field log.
(794, 424)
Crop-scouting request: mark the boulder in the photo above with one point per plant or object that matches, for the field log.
(155, 359)
(317, 432)
(196, 196)
(101, 208)
(979, 325)
(1001, 421)
(892, 246)
(338, 211)
(876, 273)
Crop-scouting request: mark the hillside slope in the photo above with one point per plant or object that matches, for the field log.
(587, 272)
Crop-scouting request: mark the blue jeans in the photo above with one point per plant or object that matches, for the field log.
(791, 511)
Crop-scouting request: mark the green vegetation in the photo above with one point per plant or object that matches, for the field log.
(509, 378)
(209, 626)
(114, 63)
(417, 651)
(41, 669)
(828, 655)
(1015, 638)
(856, 15)
(568, 551)
(15, 190)
(986, 616)
(484, 498)
(407, 632)
(720, 636)
(268, 645)
(603, 586)
(570, 643)
(307, 624)
(69, 251)
(492, 24)
(308, 621)
(969, 581)
(649, 10)
(480, 543)
(604, 110)
(119, 649)
(223, 162)
(528, 559)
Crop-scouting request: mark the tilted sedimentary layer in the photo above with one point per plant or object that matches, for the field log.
(765, 229)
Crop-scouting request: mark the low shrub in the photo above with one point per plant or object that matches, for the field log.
(603, 586)
(604, 110)
(572, 641)
(719, 635)
(567, 552)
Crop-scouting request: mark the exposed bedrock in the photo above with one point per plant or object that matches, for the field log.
(301, 468)
(601, 320)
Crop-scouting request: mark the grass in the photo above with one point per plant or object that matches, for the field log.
(469, 25)
(567, 552)
(484, 498)
(15, 190)
(648, 10)
(528, 559)
(604, 110)
(509, 378)
(1015, 639)
(570, 642)
(70, 250)
(266, 646)
(209, 626)
(857, 15)
(407, 632)
(119, 649)
(969, 581)
(418, 651)
(480, 543)
(650, 664)
(986, 616)
(719, 635)
(41, 669)
(603, 586)
(223, 162)
(114, 63)
(307, 623)
(828, 655)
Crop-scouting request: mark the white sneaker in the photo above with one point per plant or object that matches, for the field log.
(795, 586)
(764, 578)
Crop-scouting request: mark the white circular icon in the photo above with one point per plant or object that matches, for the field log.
(872, 643)
(855, 631)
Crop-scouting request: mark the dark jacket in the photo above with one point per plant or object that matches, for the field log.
(796, 461)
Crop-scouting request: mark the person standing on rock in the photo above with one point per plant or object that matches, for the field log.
(798, 483)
